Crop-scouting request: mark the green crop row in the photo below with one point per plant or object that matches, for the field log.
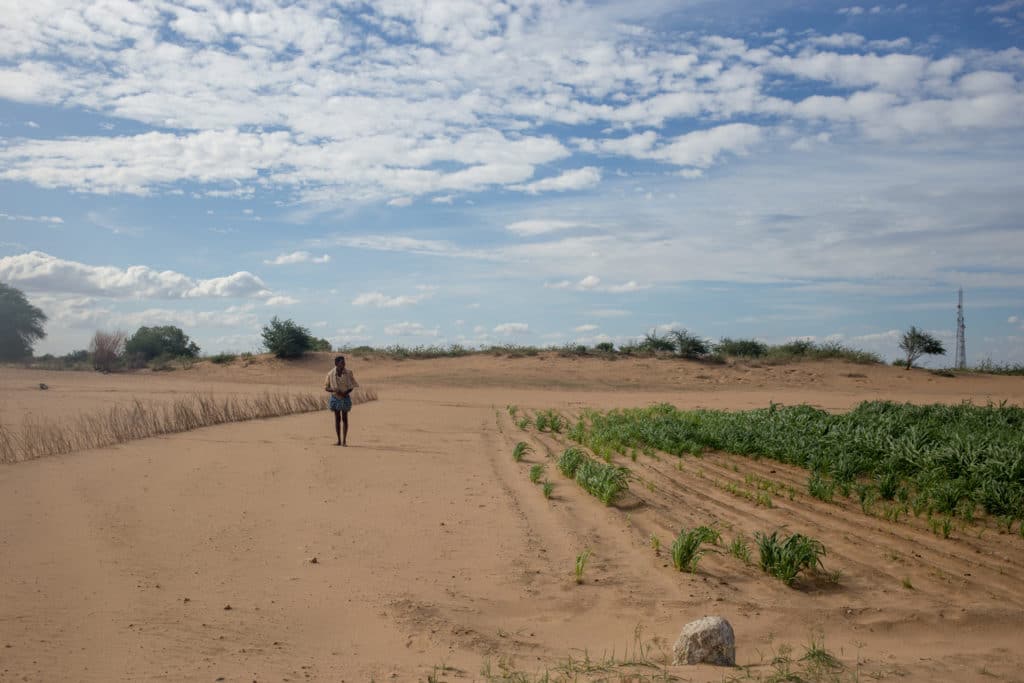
(943, 459)
(604, 481)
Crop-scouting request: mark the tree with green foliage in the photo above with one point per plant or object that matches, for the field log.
(21, 324)
(916, 343)
(741, 348)
(321, 345)
(151, 342)
(689, 345)
(286, 338)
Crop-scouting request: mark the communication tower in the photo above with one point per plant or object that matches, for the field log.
(961, 352)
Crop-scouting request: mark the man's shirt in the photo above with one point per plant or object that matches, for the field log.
(338, 383)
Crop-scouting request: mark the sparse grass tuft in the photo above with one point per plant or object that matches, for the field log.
(581, 565)
(686, 549)
(786, 558)
(547, 488)
(550, 420)
(740, 549)
(521, 449)
(536, 472)
(570, 461)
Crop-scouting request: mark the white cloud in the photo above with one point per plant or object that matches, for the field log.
(88, 313)
(400, 201)
(561, 284)
(31, 124)
(282, 301)
(589, 282)
(511, 329)
(407, 329)
(625, 287)
(55, 220)
(443, 199)
(381, 300)
(576, 179)
(40, 272)
(585, 328)
(838, 40)
(700, 149)
(541, 226)
(1013, 319)
(297, 257)
(350, 335)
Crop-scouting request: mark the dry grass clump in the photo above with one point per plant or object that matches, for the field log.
(141, 419)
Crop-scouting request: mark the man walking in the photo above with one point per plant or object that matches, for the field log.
(339, 384)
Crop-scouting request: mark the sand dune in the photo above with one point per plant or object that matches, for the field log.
(434, 553)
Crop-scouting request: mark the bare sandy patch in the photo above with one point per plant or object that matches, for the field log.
(433, 549)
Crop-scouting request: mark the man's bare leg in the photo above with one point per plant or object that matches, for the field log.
(337, 426)
(344, 433)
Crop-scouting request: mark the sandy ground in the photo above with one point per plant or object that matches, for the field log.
(434, 553)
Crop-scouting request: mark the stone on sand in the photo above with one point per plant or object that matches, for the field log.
(708, 640)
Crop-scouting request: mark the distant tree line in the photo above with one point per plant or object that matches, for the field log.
(22, 326)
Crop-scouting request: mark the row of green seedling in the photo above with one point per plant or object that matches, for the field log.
(605, 481)
(520, 451)
(949, 458)
(782, 557)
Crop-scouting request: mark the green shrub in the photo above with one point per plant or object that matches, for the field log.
(223, 358)
(689, 345)
(286, 338)
(536, 472)
(741, 348)
(150, 342)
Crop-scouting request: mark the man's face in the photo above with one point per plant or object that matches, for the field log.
(340, 364)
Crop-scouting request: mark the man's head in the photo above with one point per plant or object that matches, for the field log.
(339, 362)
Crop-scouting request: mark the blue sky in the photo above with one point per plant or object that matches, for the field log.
(533, 172)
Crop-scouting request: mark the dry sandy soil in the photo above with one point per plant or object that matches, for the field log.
(189, 557)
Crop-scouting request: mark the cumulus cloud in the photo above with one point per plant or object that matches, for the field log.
(55, 220)
(350, 335)
(297, 257)
(585, 328)
(88, 313)
(408, 329)
(381, 300)
(282, 301)
(511, 329)
(40, 272)
(387, 102)
(541, 226)
(577, 179)
(699, 149)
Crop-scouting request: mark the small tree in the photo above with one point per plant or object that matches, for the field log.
(106, 349)
(689, 345)
(150, 342)
(21, 324)
(916, 343)
(321, 345)
(286, 338)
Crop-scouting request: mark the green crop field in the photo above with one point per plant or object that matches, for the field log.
(940, 458)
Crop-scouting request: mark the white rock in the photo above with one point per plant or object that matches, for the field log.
(709, 640)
